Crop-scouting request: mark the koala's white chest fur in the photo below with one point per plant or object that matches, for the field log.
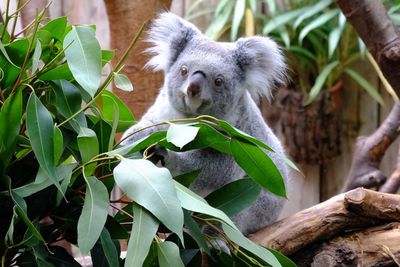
(217, 79)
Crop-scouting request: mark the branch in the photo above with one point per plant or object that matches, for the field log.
(371, 21)
(369, 152)
(354, 210)
(392, 185)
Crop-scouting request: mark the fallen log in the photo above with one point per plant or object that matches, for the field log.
(345, 213)
(376, 246)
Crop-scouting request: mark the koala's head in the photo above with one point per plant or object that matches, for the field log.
(207, 77)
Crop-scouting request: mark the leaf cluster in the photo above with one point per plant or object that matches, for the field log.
(59, 163)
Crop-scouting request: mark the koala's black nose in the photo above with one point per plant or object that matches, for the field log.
(196, 81)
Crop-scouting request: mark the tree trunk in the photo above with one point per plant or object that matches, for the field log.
(126, 17)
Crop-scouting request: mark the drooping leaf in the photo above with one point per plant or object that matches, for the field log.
(168, 255)
(10, 118)
(365, 85)
(238, 14)
(61, 72)
(235, 196)
(84, 57)
(195, 232)
(193, 202)
(36, 56)
(258, 166)
(152, 188)
(143, 231)
(126, 118)
(94, 214)
(122, 82)
(237, 237)
(88, 144)
(320, 81)
(109, 249)
(39, 124)
(181, 134)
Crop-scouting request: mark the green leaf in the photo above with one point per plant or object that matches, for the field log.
(42, 181)
(195, 232)
(109, 249)
(17, 50)
(187, 179)
(69, 101)
(302, 51)
(5, 54)
(10, 118)
(152, 188)
(122, 82)
(58, 144)
(21, 209)
(284, 261)
(168, 255)
(282, 19)
(84, 57)
(39, 124)
(235, 196)
(88, 144)
(215, 29)
(94, 214)
(237, 237)
(193, 202)
(106, 56)
(365, 85)
(321, 20)
(320, 81)
(181, 134)
(258, 166)
(311, 11)
(238, 14)
(333, 41)
(61, 72)
(36, 56)
(126, 118)
(143, 231)
(56, 27)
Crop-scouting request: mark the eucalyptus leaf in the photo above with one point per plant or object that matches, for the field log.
(84, 57)
(237, 237)
(109, 249)
(56, 27)
(143, 231)
(258, 166)
(39, 124)
(195, 232)
(61, 72)
(88, 144)
(94, 214)
(36, 56)
(10, 117)
(235, 196)
(168, 255)
(122, 82)
(58, 144)
(153, 188)
(125, 119)
(181, 134)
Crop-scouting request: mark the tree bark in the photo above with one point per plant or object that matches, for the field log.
(349, 212)
(126, 17)
(376, 246)
(371, 21)
(369, 152)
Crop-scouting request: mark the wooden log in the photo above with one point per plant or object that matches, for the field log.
(349, 212)
(376, 246)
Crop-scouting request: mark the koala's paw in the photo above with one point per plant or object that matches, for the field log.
(157, 155)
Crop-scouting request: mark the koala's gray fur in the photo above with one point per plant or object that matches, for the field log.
(248, 68)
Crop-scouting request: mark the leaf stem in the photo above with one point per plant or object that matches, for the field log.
(6, 20)
(110, 76)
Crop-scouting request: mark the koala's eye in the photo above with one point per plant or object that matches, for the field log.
(184, 70)
(218, 82)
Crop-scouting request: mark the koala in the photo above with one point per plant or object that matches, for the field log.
(224, 80)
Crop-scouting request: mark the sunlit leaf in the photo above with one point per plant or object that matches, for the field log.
(181, 134)
(88, 144)
(153, 188)
(122, 82)
(84, 57)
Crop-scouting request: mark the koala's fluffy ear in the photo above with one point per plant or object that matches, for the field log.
(168, 35)
(262, 63)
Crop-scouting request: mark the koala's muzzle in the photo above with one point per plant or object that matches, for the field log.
(196, 82)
